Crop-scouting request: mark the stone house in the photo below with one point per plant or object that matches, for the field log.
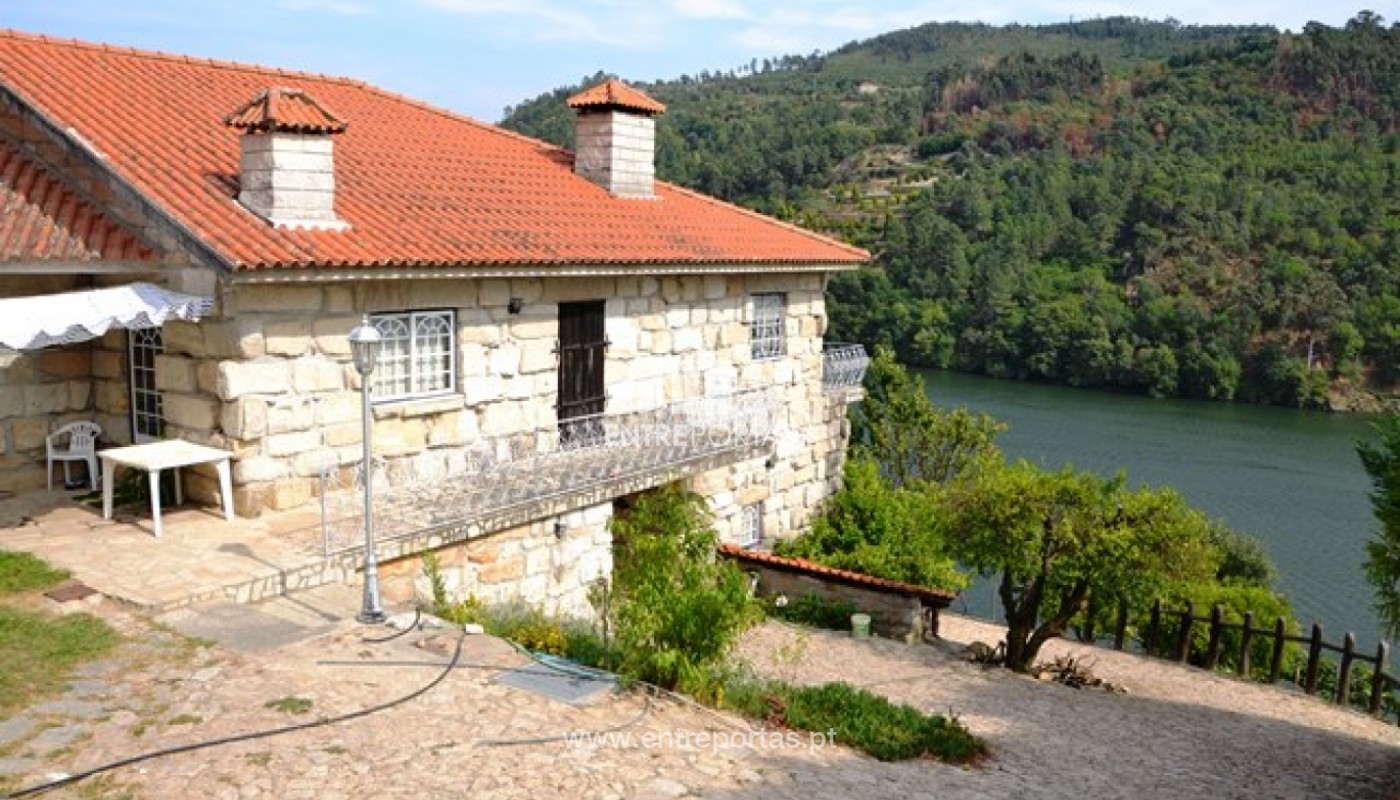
(561, 330)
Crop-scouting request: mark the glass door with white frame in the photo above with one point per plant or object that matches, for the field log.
(147, 421)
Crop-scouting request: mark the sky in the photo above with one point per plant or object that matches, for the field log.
(479, 56)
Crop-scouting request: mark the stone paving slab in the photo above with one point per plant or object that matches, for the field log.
(245, 627)
(200, 558)
(13, 729)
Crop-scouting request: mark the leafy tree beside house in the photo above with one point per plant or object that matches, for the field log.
(1382, 461)
(914, 440)
(884, 522)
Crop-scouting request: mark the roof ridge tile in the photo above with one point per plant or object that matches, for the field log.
(160, 55)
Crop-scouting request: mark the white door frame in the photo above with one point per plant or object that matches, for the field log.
(147, 409)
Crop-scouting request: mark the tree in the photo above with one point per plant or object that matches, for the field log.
(874, 528)
(1382, 461)
(914, 440)
(1056, 538)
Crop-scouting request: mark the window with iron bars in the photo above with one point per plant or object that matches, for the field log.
(417, 357)
(767, 334)
(751, 525)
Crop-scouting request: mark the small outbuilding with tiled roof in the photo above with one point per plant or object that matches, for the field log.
(540, 310)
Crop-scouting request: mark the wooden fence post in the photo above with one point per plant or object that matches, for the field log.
(1344, 669)
(1217, 617)
(1378, 680)
(1154, 624)
(1314, 659)
(1183, 637)
(1246, 640)
(1280, 639)
(1091, 609)
(1120, 631)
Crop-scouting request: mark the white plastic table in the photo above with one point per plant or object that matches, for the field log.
(156, 456)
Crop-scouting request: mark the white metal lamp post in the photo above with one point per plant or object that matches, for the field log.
(364, 346)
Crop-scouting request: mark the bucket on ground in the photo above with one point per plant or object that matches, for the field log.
(860, 626)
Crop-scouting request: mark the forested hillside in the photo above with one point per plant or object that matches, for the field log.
(1175, 210)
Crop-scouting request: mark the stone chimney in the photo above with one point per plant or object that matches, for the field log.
(286, 163)
(615, 138)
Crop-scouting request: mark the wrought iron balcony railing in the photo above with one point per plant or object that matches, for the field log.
(513, 475)
(843, 366)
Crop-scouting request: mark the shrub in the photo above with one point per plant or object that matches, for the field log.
(1295, 668)
(530, 629)
(1236, 598)
(868, 722)
(675, 607)
(467, 610)
(873, 528)
(810, 609)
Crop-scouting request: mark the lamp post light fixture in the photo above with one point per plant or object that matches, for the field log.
(364, 347)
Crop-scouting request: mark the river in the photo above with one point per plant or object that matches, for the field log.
(1289, 478)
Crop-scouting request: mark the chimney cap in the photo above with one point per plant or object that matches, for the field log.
(278, 109)
(615, 94)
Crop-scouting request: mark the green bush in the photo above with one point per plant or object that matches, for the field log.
(531, 629)
(675, 607)
(868, 722)
(461, 612)
(876, 529)
(812, 610)
(1359, 691)
(1236, 598)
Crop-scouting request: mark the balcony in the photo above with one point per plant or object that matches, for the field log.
(843, 369)
(504, 481)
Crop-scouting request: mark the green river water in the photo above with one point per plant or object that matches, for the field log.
(1289, 478)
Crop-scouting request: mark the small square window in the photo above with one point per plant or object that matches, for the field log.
(417, 357)
(751, 525)
(767, 333)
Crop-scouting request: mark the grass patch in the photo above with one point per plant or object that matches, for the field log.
(289, 705)
(872, 724)
(858, 718)
(185, 719)
(37, 652)
(22, 572)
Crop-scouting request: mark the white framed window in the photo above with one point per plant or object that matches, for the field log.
(767, 333)
(418, 356)
(751, 525)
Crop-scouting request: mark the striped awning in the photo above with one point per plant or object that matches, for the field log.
(32, 323)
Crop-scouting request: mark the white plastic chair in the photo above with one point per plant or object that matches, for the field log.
(81, 446)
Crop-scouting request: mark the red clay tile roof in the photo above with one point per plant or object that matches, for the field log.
(615, 94)
(284, 110)
(937, 597)
(43, 220)
(419, 186)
